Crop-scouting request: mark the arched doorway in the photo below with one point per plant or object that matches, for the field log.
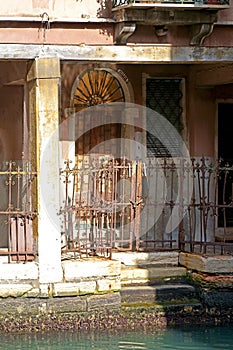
(92, 216)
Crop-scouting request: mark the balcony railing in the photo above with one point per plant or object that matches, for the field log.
(152, 3)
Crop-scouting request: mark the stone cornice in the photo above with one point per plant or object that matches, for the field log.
(138, 54)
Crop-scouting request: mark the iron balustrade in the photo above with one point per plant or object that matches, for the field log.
(119, 3)
(16, 211)
(158, 204)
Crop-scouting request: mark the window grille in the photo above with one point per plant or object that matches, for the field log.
(165, 97)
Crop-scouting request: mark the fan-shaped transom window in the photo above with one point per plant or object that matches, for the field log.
(97, 86)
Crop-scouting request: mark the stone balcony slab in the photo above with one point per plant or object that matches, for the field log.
(207, 264)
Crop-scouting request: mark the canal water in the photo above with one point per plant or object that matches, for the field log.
(185, 338)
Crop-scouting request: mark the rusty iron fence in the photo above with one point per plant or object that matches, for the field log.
(208, 225)
(158, 204)
(16, 212)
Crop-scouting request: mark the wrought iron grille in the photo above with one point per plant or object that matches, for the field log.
(208, 226)
(16, 211)
(118, 3)
(160, 204)
(165, 97)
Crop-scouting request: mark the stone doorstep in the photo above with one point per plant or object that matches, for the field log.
(131, 275)
(160, 293)
(91, 268)
(143, 259)
(208, 264)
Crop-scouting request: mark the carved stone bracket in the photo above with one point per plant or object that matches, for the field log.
(165, 16)
(200, 32)
(123, 31)
(201, 21)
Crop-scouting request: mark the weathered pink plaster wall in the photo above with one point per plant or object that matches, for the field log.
(85, 9)
(57, 8)
(201, 121)
(77, 22)
(146, 34)
(226, 15)
(102, 34)
(201, 102)
(224, 92)
(11, 118)
(64, 34)
(200, 105)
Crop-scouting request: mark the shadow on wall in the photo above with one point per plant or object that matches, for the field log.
(105, 9)
(3, 201)
(1, 151)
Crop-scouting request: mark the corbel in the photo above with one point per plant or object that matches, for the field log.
(123, 31)
(200, 32)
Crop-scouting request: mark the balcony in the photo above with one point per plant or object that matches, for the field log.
(182, 4)
(200, 14)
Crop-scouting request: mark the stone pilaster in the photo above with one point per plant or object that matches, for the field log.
(43, 83)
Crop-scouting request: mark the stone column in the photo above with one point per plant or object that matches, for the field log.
(43, 83)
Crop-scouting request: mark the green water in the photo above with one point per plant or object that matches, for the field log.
(195, 338)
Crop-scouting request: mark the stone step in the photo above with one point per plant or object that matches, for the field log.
(150, 275)
(147, 259)
(169, 293)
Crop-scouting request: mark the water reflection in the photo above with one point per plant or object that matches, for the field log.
(182, 338)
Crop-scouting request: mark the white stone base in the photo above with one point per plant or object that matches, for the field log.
(90, 268)
(207, 264)
(19, 272)
(18, 290)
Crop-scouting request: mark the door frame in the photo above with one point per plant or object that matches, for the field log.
(220, 231)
